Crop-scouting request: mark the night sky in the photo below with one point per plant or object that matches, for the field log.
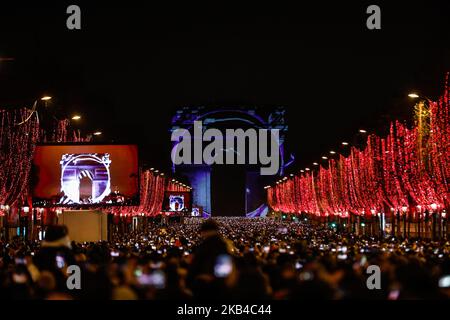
(132, 65)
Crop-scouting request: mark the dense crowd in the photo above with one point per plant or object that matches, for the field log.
(225, 258)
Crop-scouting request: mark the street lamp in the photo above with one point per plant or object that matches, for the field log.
(34, 109)
(414, 95)
(362, 131)
(345, 143)
(422, 99)
(76, 117)
(422, 113)
(97, 133)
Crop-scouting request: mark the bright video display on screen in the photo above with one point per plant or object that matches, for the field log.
(89, 175)
(176, 201)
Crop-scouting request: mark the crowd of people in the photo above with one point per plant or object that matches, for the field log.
(225, 258)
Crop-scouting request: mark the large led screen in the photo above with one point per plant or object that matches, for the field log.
(85, 175)
(177, 201)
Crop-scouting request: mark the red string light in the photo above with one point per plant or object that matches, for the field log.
(388, 172)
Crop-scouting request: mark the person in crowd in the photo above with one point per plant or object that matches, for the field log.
(225, 258)
(55, 255)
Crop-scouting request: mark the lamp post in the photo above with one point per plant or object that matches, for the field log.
(358, 140)
(34, 109)
(445, 224)
(404, 209)
(433, 207)
(247, 191)
(422, 109)
(419, 217)
(427, 220)
(392, 217)
(97, 133)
